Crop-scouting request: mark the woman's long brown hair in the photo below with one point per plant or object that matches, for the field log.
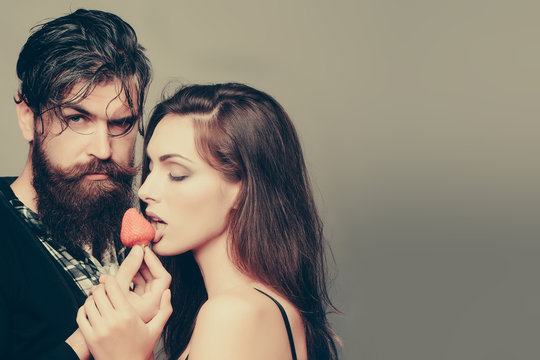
(276, 233)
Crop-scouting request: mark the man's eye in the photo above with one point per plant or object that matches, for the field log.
(80, 124)
(121, 123)
(75, 118)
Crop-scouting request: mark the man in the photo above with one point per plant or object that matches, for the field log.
(83, 81)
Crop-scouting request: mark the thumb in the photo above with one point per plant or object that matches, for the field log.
(165, 310)
(130, 266)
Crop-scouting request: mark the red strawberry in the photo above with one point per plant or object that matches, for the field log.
(136, 230)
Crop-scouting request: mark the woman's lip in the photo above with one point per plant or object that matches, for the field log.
(153, 217)
(158, 224)
(159, 229)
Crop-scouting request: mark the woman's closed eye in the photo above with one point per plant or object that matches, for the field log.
(177, 172)
(177, 178)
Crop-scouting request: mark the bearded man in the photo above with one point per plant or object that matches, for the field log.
(83, 81)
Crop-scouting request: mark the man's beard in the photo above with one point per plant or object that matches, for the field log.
(81, 213)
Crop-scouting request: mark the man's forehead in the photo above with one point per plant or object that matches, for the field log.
(103, 93)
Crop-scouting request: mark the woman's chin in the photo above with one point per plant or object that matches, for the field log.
(160, 248)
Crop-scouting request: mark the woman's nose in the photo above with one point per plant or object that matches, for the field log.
(144, 192)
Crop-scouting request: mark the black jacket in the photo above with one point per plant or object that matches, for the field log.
(38, 299)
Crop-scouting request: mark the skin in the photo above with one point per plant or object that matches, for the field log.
(64, 149)
(193, 199)
(67, 148)
(183, 191)
(114, 315)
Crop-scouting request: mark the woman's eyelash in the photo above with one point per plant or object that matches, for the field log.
(177, 178)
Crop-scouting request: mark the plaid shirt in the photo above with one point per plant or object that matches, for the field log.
(85, 272)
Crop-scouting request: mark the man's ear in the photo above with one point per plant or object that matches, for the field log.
(25, 117)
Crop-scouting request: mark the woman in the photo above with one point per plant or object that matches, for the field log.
(225, 187)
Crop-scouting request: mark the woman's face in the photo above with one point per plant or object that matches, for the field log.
(187, 200)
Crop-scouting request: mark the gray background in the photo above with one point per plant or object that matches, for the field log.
(419, 121)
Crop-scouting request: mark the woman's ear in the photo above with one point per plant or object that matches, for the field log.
(25, 117)
(234, 191)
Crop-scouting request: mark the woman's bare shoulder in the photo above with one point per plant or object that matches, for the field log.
(240, 323)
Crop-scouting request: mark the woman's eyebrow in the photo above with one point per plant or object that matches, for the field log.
(168, 156)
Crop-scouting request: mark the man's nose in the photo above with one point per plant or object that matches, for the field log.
(100, 142)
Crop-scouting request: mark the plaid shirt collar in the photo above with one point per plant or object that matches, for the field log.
(85, 272)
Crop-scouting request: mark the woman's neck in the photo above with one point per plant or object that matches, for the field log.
(218, 271)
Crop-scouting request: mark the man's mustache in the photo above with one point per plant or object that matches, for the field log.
(96, 166)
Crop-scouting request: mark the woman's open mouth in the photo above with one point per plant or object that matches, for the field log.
(158, 224)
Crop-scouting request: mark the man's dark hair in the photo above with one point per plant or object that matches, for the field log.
(88, 47)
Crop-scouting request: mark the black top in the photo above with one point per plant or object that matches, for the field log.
(38, 299)
(285, 320)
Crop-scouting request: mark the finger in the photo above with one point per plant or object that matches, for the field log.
(102, 278)
(154, 265)
(153, 283)
(115, 295)
(165, 310)
(84, 324)
(92, 313)
(145, 272)
(139, 283)
(162, 279)
(103, 304)
(129, 267)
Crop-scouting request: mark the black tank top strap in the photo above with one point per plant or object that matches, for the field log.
(285, 320)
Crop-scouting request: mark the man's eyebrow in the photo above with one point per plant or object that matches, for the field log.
(125, 119)
(168, 156)
(88, 113)
(77, 108)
